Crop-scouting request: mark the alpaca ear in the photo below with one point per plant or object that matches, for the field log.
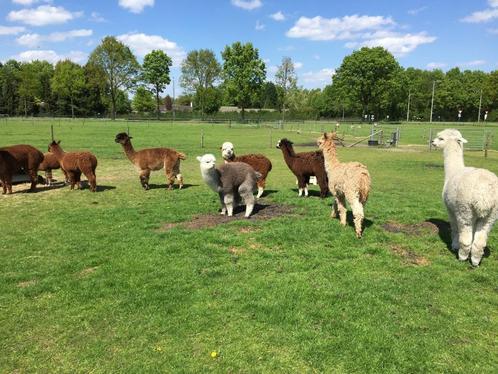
(199, 158)
(462, 140)
(59, 142)
(325, 135)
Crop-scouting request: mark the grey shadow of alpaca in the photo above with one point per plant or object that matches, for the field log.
(444, 232)
(175, 187)
(350, 221)
(311, 193)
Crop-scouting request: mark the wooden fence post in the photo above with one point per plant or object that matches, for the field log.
(202, 138)
(430, 139)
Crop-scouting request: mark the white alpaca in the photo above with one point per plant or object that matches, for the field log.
(231, 181)
(471, 198)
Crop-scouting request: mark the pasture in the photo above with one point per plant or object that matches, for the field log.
(114, 282)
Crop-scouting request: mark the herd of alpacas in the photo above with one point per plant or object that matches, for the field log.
(470, 194)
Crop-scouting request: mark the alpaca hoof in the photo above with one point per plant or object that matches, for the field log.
(475, 261)
(463, 257)
(180, 186)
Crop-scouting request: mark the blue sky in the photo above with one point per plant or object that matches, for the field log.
(315, 34)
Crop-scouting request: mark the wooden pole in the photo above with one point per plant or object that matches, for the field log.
(52, 131)
(430, 139)
(202, 138)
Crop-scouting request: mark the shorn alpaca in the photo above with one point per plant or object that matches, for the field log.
(149, 159)
(304, 165)
(258, 162)
(74, 164)
(349, 181)
(17, 159)
(50, 163)
(471, 198)
(231, 181)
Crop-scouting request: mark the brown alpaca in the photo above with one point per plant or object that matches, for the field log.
(50, 163)
(150, 159)
(75, 163)
(16, 159)
(303, 165)
(259, 163)
(347, 181)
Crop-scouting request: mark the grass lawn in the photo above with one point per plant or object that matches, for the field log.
(95, 283)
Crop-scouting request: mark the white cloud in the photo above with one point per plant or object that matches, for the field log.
(298, 65)
(96, 17)
(279, 16)
(436, 65)
(318, 78)
(485, 15)
(43, 15)
(135, 6)
(259, 26)
(51, 56)
(33, 40)
(141, 44)
(271, 69)
(493, 31)
(414, 12)
(30, 2)
(347, 27)
(473, 63)
(396, 43)
(11, 30)
(247, 4)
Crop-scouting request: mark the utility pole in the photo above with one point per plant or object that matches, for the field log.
(432, 100)
(408, 110)
(479, 114)
(173, 105)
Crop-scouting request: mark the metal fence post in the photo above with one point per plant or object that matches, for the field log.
(430, 139)
(202, 138)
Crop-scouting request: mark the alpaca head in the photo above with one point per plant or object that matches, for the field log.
(227, 150)
(326, 138)
(207, 161)
(53, 145)
(445, 137)
(122, 138)
(284, 142)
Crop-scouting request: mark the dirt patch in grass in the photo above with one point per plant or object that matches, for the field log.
(261, 212)
(26, 284)
(86, 272)
(417, 229)
(409, 257)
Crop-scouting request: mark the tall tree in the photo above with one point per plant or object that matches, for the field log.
(286, 79)
(155, 72)
(143, 101)
(10, 87)
(243, 72)
(68, 81)
(118, 64)
(29, 86)
(367, 76)
(200, 71)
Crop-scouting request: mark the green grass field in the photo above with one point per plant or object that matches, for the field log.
(91, 283)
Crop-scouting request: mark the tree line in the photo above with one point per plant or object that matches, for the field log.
(369, 83)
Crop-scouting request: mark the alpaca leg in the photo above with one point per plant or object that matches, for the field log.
(144, 178)
(455, 243)
(77, 177)
(92, 180)
(465, 239)
(483, 227)
(179, 178)
(301, 183)
(33, 176)
(246, 193)
(341, 207)
(72, 180)
(335, 210)
(170, 175)
(228, 201)
(4, 188)
(261, 188)
(358, 215)
(66, 177)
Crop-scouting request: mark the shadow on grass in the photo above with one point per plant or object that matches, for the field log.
(350, 220)
(311, 193)
(444, 231)
(165, 186)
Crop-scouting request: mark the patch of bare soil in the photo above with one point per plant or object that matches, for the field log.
(86, 272)
(261, 212)
(26, 284)
(409, 257)
(416, 229)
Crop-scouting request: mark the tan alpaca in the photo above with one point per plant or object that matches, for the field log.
(347, 181)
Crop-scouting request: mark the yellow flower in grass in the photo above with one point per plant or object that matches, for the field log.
(214, 354)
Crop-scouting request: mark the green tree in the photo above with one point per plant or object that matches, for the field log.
(286, 79)
(10, 87)
(119, 65)
(68, 81)
(368, 76)
(29, 86)
(143, 101)
(243, 72)
(200, 71)
(155, 72)
(208, 99)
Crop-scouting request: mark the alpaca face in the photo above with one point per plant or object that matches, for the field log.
(53, 145)
(122, 138)
(207, 161)
(283, 142)
(446, 136)
(227, 150)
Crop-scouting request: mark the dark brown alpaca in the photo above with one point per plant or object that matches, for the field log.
(50, 163)
(149, 159)
(17, 159)
(75, 163)
(304, 165)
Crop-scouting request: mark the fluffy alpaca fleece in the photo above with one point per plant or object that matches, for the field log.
(19, 158)
(149, 159)
(49, 163)
(304, 165)
(258, 162)
(74, 164)
(231, 181)
(349, 181)
(471, 198)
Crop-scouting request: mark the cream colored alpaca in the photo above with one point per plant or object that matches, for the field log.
(347, 181)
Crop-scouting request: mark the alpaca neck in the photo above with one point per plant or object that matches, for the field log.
(330, 154)
(129, 151)
(453, 159)
(58, 152)
(289, 153)
(212, 178)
